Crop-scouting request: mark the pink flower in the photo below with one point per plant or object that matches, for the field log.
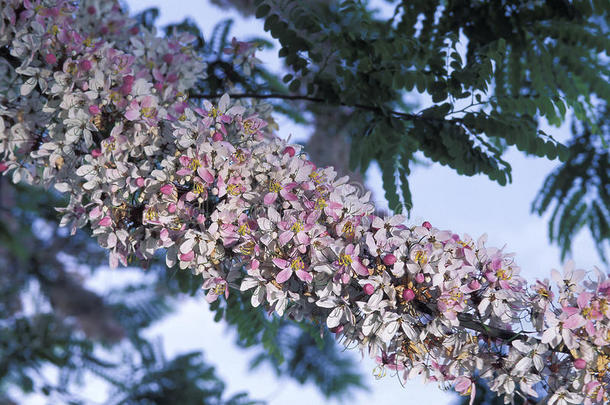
(465, 386)
(275, 189)
(289, 267)
(146, 109)
(349, 260)
(217, 287)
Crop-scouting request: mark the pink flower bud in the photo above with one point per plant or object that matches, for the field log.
(96, 153)
(140, 181)
(3, 167)
(289, 150)
(168, 58)
(94, 110)
(164, 234)
(217, 137)
(167, 189)
(408, 295)
(474, 285)
(91, 10)
(419, 277)
(134, 30)
(171, 208)
(580, 364)
(369, 289)
(86, 65)
(201, 219)
(51, 59)
(106, 221)
(427, 225)
(337, 329)
(389, 259)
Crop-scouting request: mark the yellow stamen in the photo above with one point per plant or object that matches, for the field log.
(233, 189)
(243, 229)
(249, 127)
(198, 188)
(345, 260)
(297, 227)
(195, 164)
(247, 248)
(274, 186)
(148, 112)
(240, 156)
(421, 257)
(504, 274)
(297, 264)
(321, 203)
(175, 225)
(348, 229)
(379, 372)
(151, 214)
(316, 177)
(220, 289)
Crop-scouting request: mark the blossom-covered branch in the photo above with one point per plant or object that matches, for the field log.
(96, 109)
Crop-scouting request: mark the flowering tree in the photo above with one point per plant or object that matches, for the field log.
(97, 108)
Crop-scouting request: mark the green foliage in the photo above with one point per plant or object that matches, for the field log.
(185, 379)
(577, 192)
(521, 61)
(301, 351)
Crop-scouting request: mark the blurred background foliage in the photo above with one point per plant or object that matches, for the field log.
(488, 71)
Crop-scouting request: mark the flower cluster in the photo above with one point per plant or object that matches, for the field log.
(101, 114)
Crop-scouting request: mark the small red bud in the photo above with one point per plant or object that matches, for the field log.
(289, 150)
(50, 58)
(427, 225)
(369, 289)
(389, 259)
(86, 65)
(408, 295)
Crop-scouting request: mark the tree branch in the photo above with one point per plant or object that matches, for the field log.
(279, 96)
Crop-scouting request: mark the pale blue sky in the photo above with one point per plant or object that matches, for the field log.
(471, 205)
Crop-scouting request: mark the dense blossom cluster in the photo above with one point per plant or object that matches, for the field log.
(96, 107)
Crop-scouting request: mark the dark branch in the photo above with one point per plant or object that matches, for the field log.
(467, 321)
(375, 109)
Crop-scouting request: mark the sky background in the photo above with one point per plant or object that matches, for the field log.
(473, 205)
